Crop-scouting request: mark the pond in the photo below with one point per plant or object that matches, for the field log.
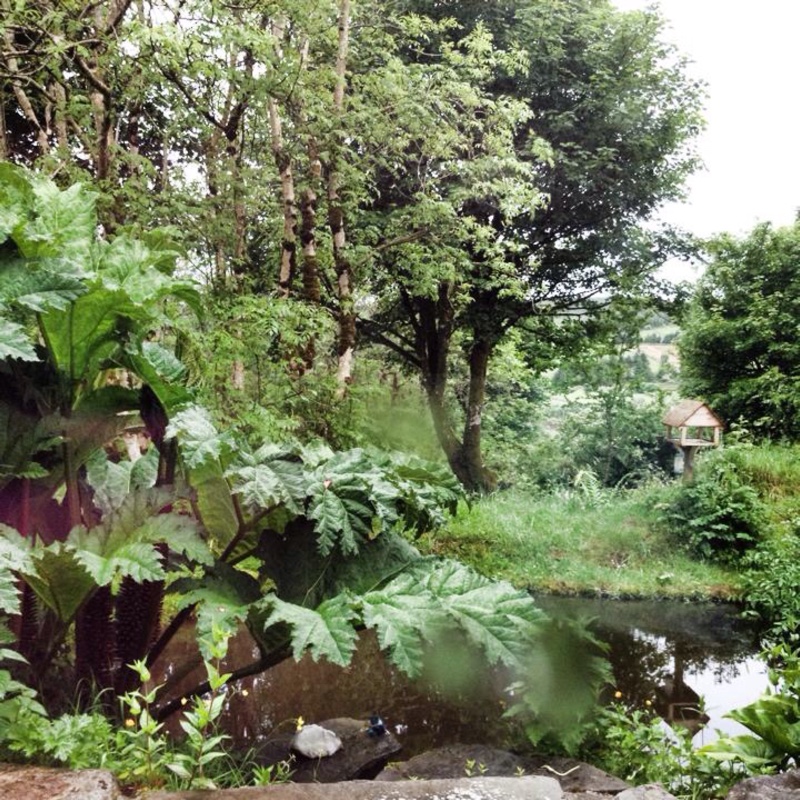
(671, 654)
(695, 661)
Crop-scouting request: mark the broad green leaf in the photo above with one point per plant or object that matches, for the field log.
(752, 751)
(59, 580)
(16, 198)
(15, 550)
(15, 558)
(110, 481)
(37, 288)
(493, 614)
(135, 560)
(199, 439)
(326, 632)
(161, 371)
(400, 614)
(145, 470)
(64, 225)
(336, 521)
(215, 503)
(179, 532)
(15, 342)
(224, 598)
(271, 483)
(82, 338)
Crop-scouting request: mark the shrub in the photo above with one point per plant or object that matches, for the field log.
(720, 516)
(772, 584)
(638, 746)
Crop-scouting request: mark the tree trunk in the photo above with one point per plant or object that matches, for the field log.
(468, 464)
(344, 276)
(308, 236)
(434, 331)
(283, 162)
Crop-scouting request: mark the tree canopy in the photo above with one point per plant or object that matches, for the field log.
(424, 176)
(739, 349)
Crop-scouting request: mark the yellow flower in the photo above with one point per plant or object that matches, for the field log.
(300, 723)
(245, 693)
(618, 695)
(647, 703)
(130, 723)
(184, 701)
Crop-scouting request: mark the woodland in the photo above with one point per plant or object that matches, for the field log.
(284, 286)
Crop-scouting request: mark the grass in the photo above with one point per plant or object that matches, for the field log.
(599, 543)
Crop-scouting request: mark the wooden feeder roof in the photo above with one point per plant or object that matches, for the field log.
(691, 414)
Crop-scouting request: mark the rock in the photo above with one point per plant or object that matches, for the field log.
(314, 741)
(458, 760)
(44, 783)
(647, 791)
(785, 786)
(576, 776)
(527, 788)
(360, 756)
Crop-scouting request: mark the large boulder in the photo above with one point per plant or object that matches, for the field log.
(785, 786)
(360, 755)
(44, 783)
(528, 788)
(456, 761)
(464, 760)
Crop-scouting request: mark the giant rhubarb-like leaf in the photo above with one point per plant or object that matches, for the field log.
(325, 632)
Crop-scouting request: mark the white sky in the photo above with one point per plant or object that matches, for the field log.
(748, 54)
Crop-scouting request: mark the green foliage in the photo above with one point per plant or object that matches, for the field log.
(638, 746)
(773, 719)
(738, 349)
(560, 683)
(574, 542)
(771, 585)
(719, 516)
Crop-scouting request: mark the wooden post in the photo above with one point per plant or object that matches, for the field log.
(688, 463)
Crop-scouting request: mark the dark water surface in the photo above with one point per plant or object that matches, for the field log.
(692, 659)
(670, 654)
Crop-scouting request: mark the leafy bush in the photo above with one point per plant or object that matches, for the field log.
(303, 545)
(771, 584)
(559, 686)
(719, 516)
(636, 745)
(773, 719)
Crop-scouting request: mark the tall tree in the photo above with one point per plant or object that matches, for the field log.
(738, 345)
(618, 110)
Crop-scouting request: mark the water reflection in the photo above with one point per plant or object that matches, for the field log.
(670, 654)
(693, 661)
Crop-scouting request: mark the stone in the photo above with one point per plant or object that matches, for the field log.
(647, 791)
(455, 761)
(526, 788)
(45, 783)
(314, 741)
(576, 776)
(785, 786)
(360, 756)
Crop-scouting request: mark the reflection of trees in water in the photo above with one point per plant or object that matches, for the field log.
(658, 665)
(638, 664)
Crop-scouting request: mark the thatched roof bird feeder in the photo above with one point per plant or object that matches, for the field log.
(690, 425)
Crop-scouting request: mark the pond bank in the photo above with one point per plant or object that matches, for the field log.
(568, 544)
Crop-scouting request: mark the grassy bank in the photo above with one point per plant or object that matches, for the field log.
(603, 542)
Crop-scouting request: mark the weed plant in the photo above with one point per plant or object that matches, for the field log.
(635, 744)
